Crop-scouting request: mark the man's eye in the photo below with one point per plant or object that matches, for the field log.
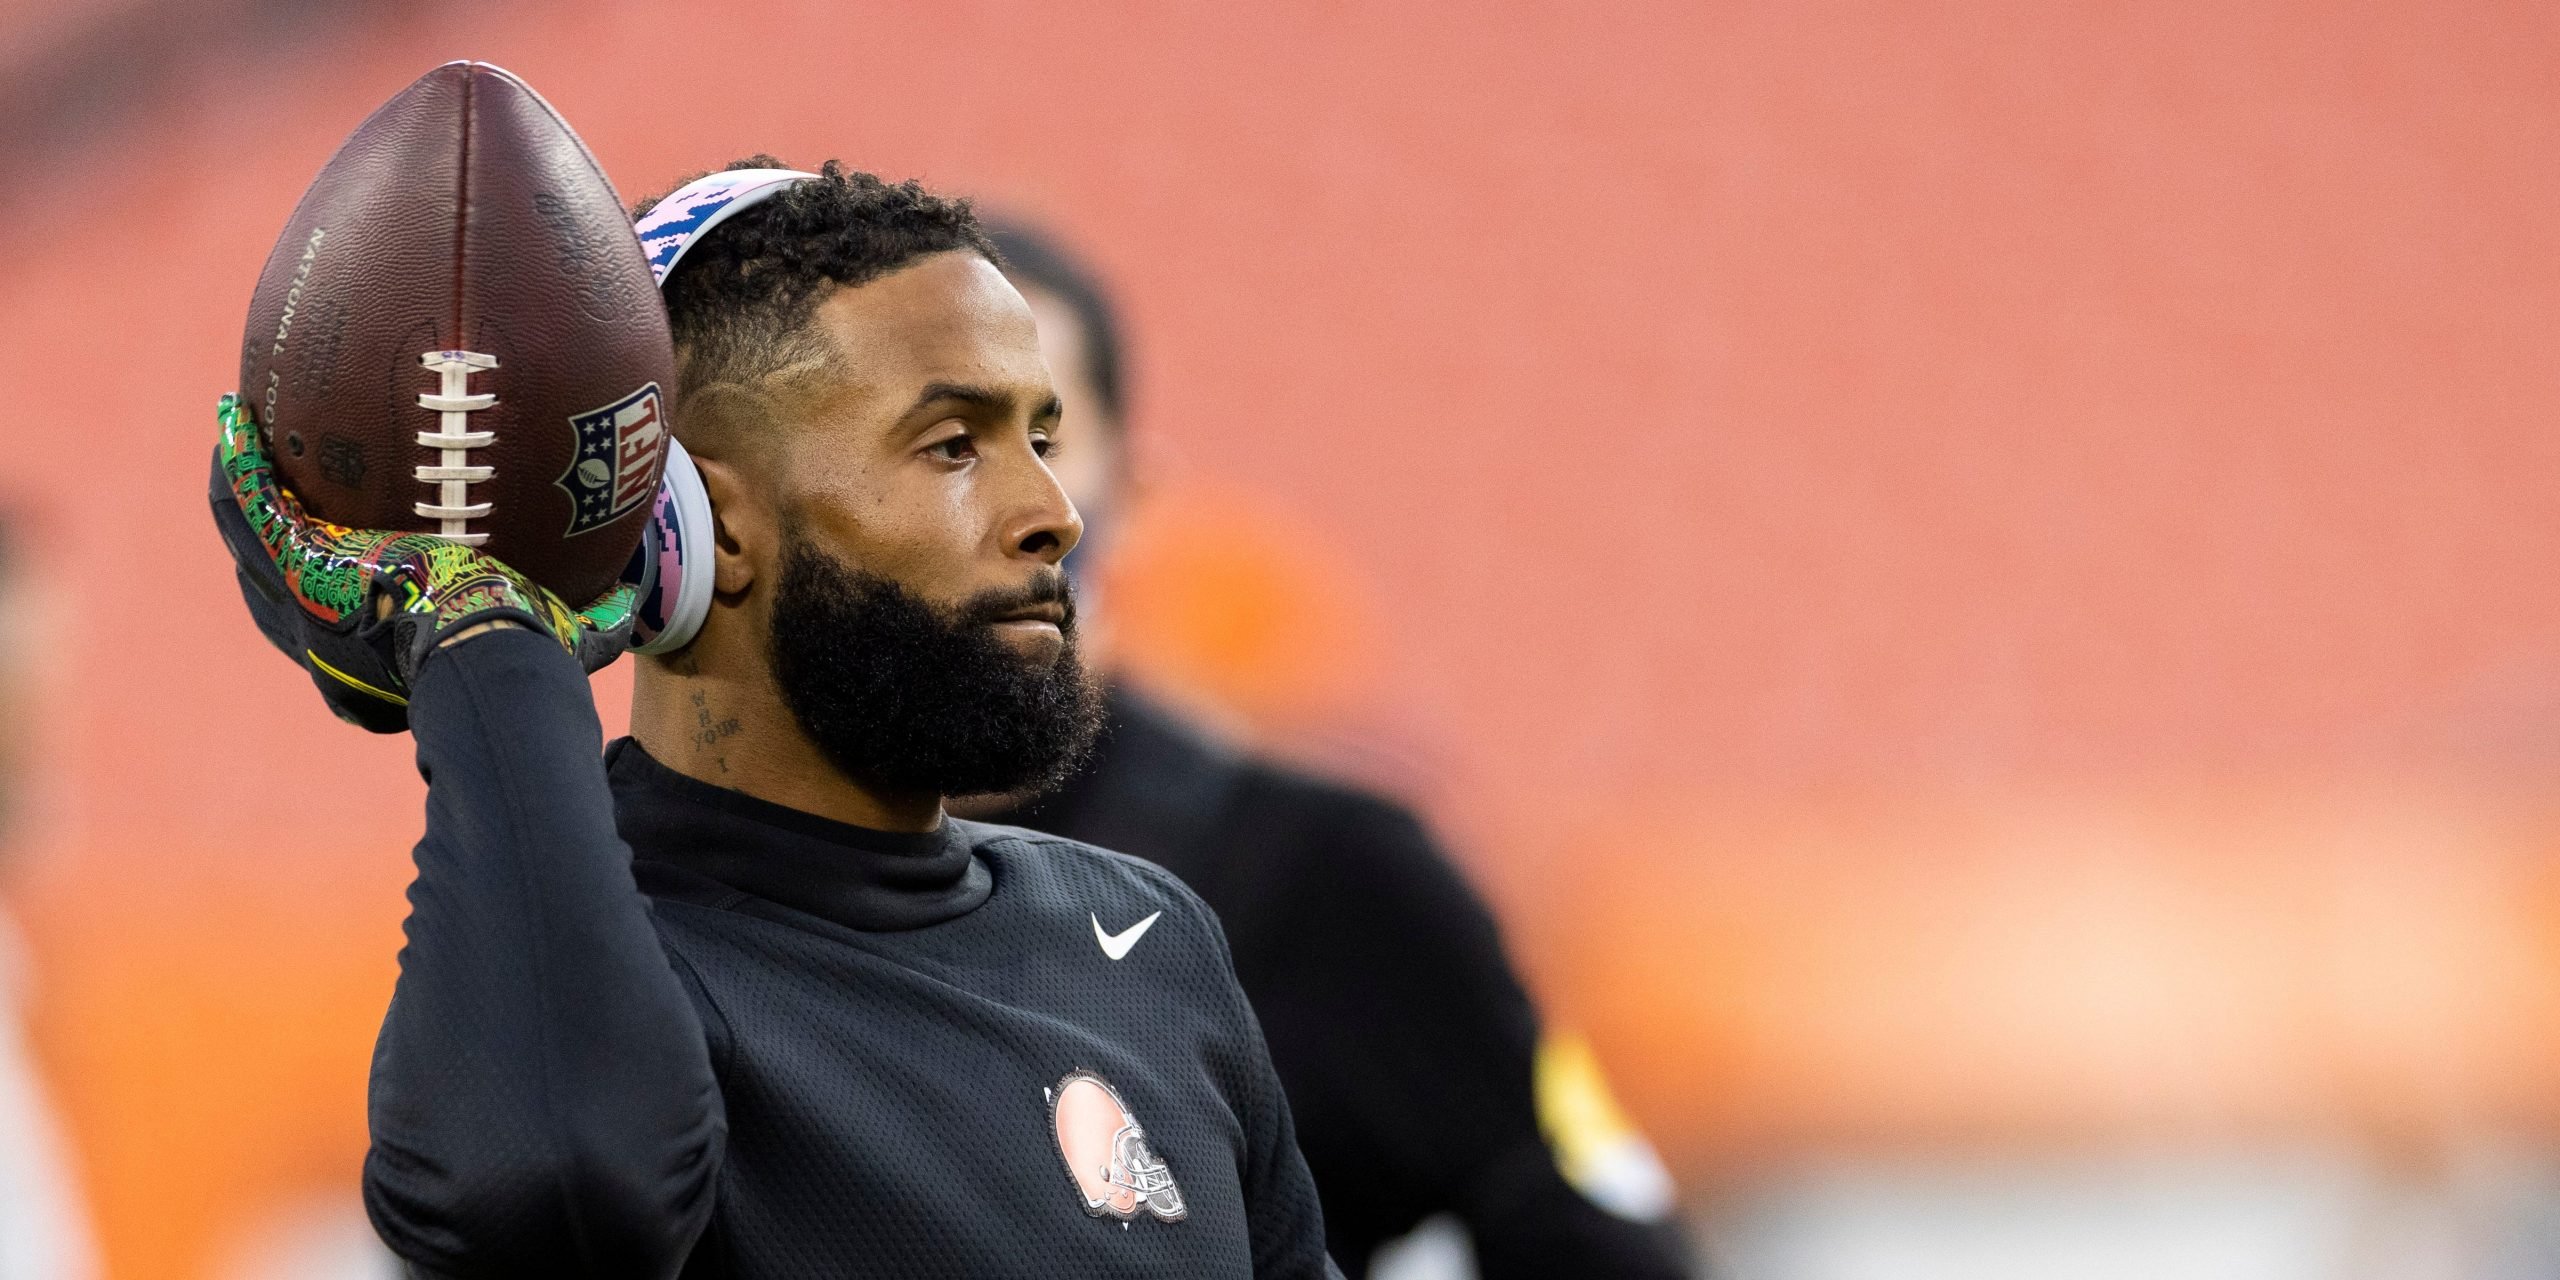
(1043, 446)
(955, 449)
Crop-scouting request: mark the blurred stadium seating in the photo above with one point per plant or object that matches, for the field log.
(1976, 582)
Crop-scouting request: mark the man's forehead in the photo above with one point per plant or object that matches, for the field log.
(950, 317)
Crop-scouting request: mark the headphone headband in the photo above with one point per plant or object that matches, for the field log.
(689, 212)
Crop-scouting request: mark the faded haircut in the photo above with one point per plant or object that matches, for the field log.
(741, 301)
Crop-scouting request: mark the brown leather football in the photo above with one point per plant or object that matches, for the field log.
(457, 334)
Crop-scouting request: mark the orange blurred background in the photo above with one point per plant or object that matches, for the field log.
(1974, 579)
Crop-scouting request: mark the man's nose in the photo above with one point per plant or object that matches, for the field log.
(1047, 527)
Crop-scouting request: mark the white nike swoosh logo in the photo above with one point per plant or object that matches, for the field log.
(1116, 945)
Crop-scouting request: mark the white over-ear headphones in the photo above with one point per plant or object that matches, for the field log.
(677, 596)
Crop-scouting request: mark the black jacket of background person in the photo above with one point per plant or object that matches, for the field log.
(755, 1042)
(1406, 1042)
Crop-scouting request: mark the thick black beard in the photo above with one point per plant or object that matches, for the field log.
(911, 699)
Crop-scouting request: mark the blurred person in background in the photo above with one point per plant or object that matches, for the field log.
(1411, 1053)
(43, 1233)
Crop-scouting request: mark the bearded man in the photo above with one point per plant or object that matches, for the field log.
(740, 999)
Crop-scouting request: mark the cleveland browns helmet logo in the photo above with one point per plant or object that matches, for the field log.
(1107, 1154)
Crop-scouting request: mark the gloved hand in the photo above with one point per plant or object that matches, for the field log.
(361, 610)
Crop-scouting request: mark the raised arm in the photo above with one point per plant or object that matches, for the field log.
(542, 1101)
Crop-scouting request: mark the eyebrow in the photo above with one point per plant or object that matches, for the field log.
(980, 397)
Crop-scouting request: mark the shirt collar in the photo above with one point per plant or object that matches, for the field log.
(858, 877)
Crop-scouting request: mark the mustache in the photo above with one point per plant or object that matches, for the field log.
(1049, 586)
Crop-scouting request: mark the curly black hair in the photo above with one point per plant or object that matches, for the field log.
(740, 303)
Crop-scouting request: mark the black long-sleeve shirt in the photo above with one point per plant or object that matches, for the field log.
(647, 1026)
(1404, 1038)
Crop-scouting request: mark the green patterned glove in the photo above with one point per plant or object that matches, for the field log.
(361, 610)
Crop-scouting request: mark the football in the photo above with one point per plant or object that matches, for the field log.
(457, 334)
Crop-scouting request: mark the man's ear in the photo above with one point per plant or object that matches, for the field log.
(744, 534)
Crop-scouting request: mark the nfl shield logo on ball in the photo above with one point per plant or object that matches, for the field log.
(615, 468)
